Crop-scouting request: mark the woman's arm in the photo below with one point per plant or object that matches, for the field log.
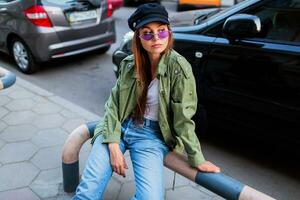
(184, 106)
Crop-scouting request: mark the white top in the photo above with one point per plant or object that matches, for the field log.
(151, 111)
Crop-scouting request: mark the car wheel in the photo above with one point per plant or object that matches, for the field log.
(23, 57)
(139, 2)
(103, 49)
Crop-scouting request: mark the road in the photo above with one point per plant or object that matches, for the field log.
(86, 80)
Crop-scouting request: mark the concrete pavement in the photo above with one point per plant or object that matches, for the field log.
(34, 124)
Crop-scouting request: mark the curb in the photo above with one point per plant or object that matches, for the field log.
(58, 100)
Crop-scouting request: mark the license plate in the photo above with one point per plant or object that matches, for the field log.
(82, 16)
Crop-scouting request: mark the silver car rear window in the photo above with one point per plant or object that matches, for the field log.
(63, 2)
(59, 2)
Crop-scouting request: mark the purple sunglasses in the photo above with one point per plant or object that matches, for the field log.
(149, 36)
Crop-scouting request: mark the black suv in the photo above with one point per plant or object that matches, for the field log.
(246, 60)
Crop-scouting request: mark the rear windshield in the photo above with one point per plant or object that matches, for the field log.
(59, 2)
(64, 2)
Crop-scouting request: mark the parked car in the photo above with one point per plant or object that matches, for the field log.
(34, 31)
(114, 4)
(246, 60)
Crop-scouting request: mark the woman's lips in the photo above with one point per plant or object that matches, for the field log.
(156, 46)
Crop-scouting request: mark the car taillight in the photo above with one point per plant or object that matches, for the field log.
(110, 8)
(38, 16)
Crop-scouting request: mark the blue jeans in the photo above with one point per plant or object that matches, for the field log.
(147, 151)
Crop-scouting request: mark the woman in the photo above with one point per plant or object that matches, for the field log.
(149, 113)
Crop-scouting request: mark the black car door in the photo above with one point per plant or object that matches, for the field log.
(254, 83)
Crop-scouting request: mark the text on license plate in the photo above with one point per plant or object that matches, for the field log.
(82, 16)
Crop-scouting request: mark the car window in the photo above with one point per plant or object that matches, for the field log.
(59, 2)
(63, 2)
(280, 21)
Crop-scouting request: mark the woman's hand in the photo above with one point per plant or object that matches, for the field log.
(208, 167)
(117, 159)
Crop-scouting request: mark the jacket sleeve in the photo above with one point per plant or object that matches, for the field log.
(184, 106)
(110, 126)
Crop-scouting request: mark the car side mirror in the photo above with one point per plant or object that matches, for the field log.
(241, 26)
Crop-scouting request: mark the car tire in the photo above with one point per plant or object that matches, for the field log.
(103, 49)
(23, 56)
(139, 2)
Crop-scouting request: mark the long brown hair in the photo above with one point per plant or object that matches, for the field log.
(143, 70)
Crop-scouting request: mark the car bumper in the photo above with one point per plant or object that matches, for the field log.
(47, 46)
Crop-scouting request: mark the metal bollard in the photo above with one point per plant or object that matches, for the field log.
(225, 186)
(70, 155)
(7, 78)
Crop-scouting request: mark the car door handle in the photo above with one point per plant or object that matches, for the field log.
(198, 54)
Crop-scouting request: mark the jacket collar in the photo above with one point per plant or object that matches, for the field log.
(162, 65)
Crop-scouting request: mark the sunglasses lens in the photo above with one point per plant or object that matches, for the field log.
(163, 34)
(147, 36)
(150, 36)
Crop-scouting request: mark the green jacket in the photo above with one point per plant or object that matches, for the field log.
(177, 105)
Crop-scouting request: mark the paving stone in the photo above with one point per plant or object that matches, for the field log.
(6, 92)
(62, 195)
(20, 104)
(68, 114)
(112, 190)
(183, 193)
(46, 108)
(35, 89)
(49, 121)
(16, 152)
(4, 100)
(3, 112)
(50, 137)
(20, 94)
(2, 126)
(179, 180)
(40, 99)
(65, 197)
(19, 194)
(72, 124)
(71, 106)
(127, 191)
(20, 117)
(47, 183)
(218, 198)
(15, 87)
(1, 143)
(18, 133)
(17, 175)
(48, 158)
(202, 189)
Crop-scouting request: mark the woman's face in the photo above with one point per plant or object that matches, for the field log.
(154, 37)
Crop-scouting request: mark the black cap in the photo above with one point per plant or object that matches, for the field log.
(147, 13)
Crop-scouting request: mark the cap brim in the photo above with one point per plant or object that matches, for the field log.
(152, 19)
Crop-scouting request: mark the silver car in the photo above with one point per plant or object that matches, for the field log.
(35, 31)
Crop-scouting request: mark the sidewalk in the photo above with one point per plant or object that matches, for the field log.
(33, 127)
